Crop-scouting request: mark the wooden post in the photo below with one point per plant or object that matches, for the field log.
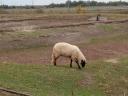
(98, 17)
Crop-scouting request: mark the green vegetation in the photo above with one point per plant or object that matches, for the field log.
(106, 27)
(99, 78)
(28, 33)
(112, 78)
(42, 80)
(113, 38)
(112, 33)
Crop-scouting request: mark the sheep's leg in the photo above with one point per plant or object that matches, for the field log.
(71, 63)
(78, 64)
(53, 60)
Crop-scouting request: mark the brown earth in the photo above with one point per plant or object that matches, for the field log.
(43, 55)
(37, 49)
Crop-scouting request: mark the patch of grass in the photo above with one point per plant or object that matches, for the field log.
(111, 78)
(107, 79)
(113, 28)
(43, 80)
(116, 16)
(36, 33)
(29, 34)
(106, 27)
(112, 33)
(118, 37)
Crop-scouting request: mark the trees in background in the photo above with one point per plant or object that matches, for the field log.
(70, 3)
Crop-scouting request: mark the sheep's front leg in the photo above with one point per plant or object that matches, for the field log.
(54, 61)
(71, 63)
(78, 64)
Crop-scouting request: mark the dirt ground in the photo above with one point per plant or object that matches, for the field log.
(43, 55)
(29, 42)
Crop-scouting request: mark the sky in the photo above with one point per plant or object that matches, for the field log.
(41, 2)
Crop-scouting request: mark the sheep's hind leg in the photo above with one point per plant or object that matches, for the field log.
(71, 63)
(53, 60)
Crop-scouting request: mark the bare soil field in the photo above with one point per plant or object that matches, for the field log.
(27, 40)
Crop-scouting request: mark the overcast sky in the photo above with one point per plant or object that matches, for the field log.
(40, 2)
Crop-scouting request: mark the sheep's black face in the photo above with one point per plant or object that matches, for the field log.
(83, 63)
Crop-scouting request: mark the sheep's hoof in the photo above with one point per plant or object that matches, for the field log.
(79, 68)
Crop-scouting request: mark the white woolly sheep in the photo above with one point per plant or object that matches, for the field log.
(67, 50)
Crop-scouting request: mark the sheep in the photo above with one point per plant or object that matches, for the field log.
(67, 50)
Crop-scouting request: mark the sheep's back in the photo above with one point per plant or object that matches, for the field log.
(65, 49)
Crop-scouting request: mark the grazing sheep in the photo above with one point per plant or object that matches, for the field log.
(70, 51)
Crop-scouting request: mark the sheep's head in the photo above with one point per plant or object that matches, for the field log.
(83, 62)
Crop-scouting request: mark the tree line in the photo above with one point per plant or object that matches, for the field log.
(70, 3)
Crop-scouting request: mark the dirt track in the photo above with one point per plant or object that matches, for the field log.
(46, 23)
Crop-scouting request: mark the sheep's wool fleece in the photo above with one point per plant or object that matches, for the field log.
(66, 49)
